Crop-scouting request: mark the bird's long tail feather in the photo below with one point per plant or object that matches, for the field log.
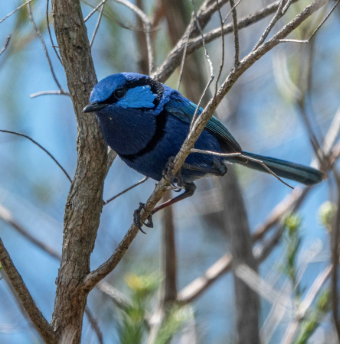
(282, 168)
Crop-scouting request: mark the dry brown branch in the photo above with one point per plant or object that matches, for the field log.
(279, 13)
(40, 323)
(95, 276)
(175, 56)
(84, 202)
(6, 216)
(315, 31)
(292, 201)
(236, 36)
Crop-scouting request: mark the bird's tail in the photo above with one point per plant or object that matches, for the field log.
(282, 168)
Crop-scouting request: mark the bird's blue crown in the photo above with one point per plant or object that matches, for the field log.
(128, 90)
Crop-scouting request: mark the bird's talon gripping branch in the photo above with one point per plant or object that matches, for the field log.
(136, 217)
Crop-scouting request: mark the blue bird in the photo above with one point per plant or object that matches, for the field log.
(146, 123)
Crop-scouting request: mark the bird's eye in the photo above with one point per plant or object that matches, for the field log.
(120, 93)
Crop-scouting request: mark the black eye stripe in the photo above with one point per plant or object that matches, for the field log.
(156, 88)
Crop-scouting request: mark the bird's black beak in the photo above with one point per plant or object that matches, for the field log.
(93, 107)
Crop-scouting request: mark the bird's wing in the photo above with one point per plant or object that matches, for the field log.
(184, 109)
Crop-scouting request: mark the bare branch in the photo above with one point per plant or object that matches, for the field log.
(94, 10)
(175, 56)
(40, 323)
(315, 31)
(41, 147)
(17, 9)
(6, 43)
(147, 27)
(44, 46)
(95, 276)
(212, 76)
(126, 190)
(279, 13)
(97, 24)
(236, 37)
(49, 31)
(50, 93)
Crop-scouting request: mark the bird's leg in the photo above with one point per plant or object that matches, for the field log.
(189, 191)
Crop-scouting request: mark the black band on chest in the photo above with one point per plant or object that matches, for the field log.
(157, 136)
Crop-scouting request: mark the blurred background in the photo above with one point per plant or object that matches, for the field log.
(266, 111)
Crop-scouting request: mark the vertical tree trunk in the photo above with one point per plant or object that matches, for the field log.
(84, 202)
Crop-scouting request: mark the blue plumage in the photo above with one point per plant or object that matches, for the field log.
(146, 123)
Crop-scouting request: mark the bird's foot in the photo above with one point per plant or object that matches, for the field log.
(175, 180)
(137, 220)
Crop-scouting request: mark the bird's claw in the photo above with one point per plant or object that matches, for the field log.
(137, 220)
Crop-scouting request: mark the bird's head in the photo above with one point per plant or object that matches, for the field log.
(125, 90)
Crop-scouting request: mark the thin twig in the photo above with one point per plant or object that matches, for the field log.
(97, 24)
(147, 27)
(41, 147)
(175, 56)
(49, 31)
(277, 16)
(245, 157)
(94, 10)
(314, 32)
(212, 76)
(97, 275)
(5, 45)
(126, 190)
(223, 265)
(37, 31)
(40, 323)
(236, 37)
(222, 37)
(183, 60)
(50, 93)
(18, 8)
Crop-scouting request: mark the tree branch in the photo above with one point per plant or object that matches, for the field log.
(95, 276)
(40, 323)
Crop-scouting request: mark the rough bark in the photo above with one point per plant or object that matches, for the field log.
(84, 202)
